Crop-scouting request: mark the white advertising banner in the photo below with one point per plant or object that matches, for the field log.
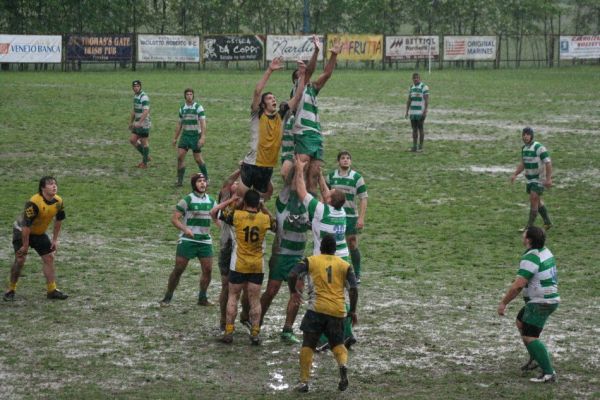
(168, 48)
(581, 47)
(469, 48)
(292, 48)
(412, 47)
(30, 49)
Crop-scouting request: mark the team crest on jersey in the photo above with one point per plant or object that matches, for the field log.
(30, 212)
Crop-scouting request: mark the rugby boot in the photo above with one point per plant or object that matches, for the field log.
(529, 365)
(255, 340)
(289, 337)
(227, 338)
(302, 387)
(544, 378)
(204, 302)
(343, 384)
(57, 295)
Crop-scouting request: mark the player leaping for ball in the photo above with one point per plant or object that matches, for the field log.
(308, 136)
(266, 125)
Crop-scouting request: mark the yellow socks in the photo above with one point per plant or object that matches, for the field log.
(228, 329)
(255, 330)
(306, 357)
(12, 286)
(341, 354)
(51, 286)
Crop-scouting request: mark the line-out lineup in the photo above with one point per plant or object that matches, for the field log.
(325, 209)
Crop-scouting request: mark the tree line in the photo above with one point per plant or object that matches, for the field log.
(388, 17)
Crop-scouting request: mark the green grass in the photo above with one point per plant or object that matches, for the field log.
(439, 248)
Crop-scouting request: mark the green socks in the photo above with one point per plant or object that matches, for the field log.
(532, 216)
(355, 256)
(180, 175)
(202, 295)
(145, 153)
(544, 214)
(140, 149)
(203, 170)
(540, 354)
(347, 324)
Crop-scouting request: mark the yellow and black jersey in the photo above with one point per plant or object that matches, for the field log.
(39, 212)
(250, 229)
(327, 276)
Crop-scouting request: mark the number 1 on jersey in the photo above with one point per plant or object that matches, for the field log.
(329, 274)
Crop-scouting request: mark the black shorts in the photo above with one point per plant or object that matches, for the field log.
(40, 243)
(238, 278)
(417, 123)
(255, 177)
(528, 329)
(317, 324)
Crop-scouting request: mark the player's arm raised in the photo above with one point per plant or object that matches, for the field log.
(330, 66)
(299, 182)
(312, 63)
(275, 65)
(300, 89)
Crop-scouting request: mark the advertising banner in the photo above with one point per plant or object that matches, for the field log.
(469, 48)
(168, 48)
(291, 48)
(581, 47)
(232, 48)
(99, 47)
(358, 47)
(30, 49)
(411, 47)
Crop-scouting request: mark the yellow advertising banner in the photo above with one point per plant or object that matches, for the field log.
(357, 47)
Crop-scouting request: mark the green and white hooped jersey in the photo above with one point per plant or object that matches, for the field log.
(417, 99)
(287, 139)
(196, 216)
(353, 185)
(539, 268)
(141, 102)
(307, 113)
(291, 240)
(189, 117)
(326, 219)
(534, 156)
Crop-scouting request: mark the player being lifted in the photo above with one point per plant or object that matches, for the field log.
(266, 125)
(308, 136)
